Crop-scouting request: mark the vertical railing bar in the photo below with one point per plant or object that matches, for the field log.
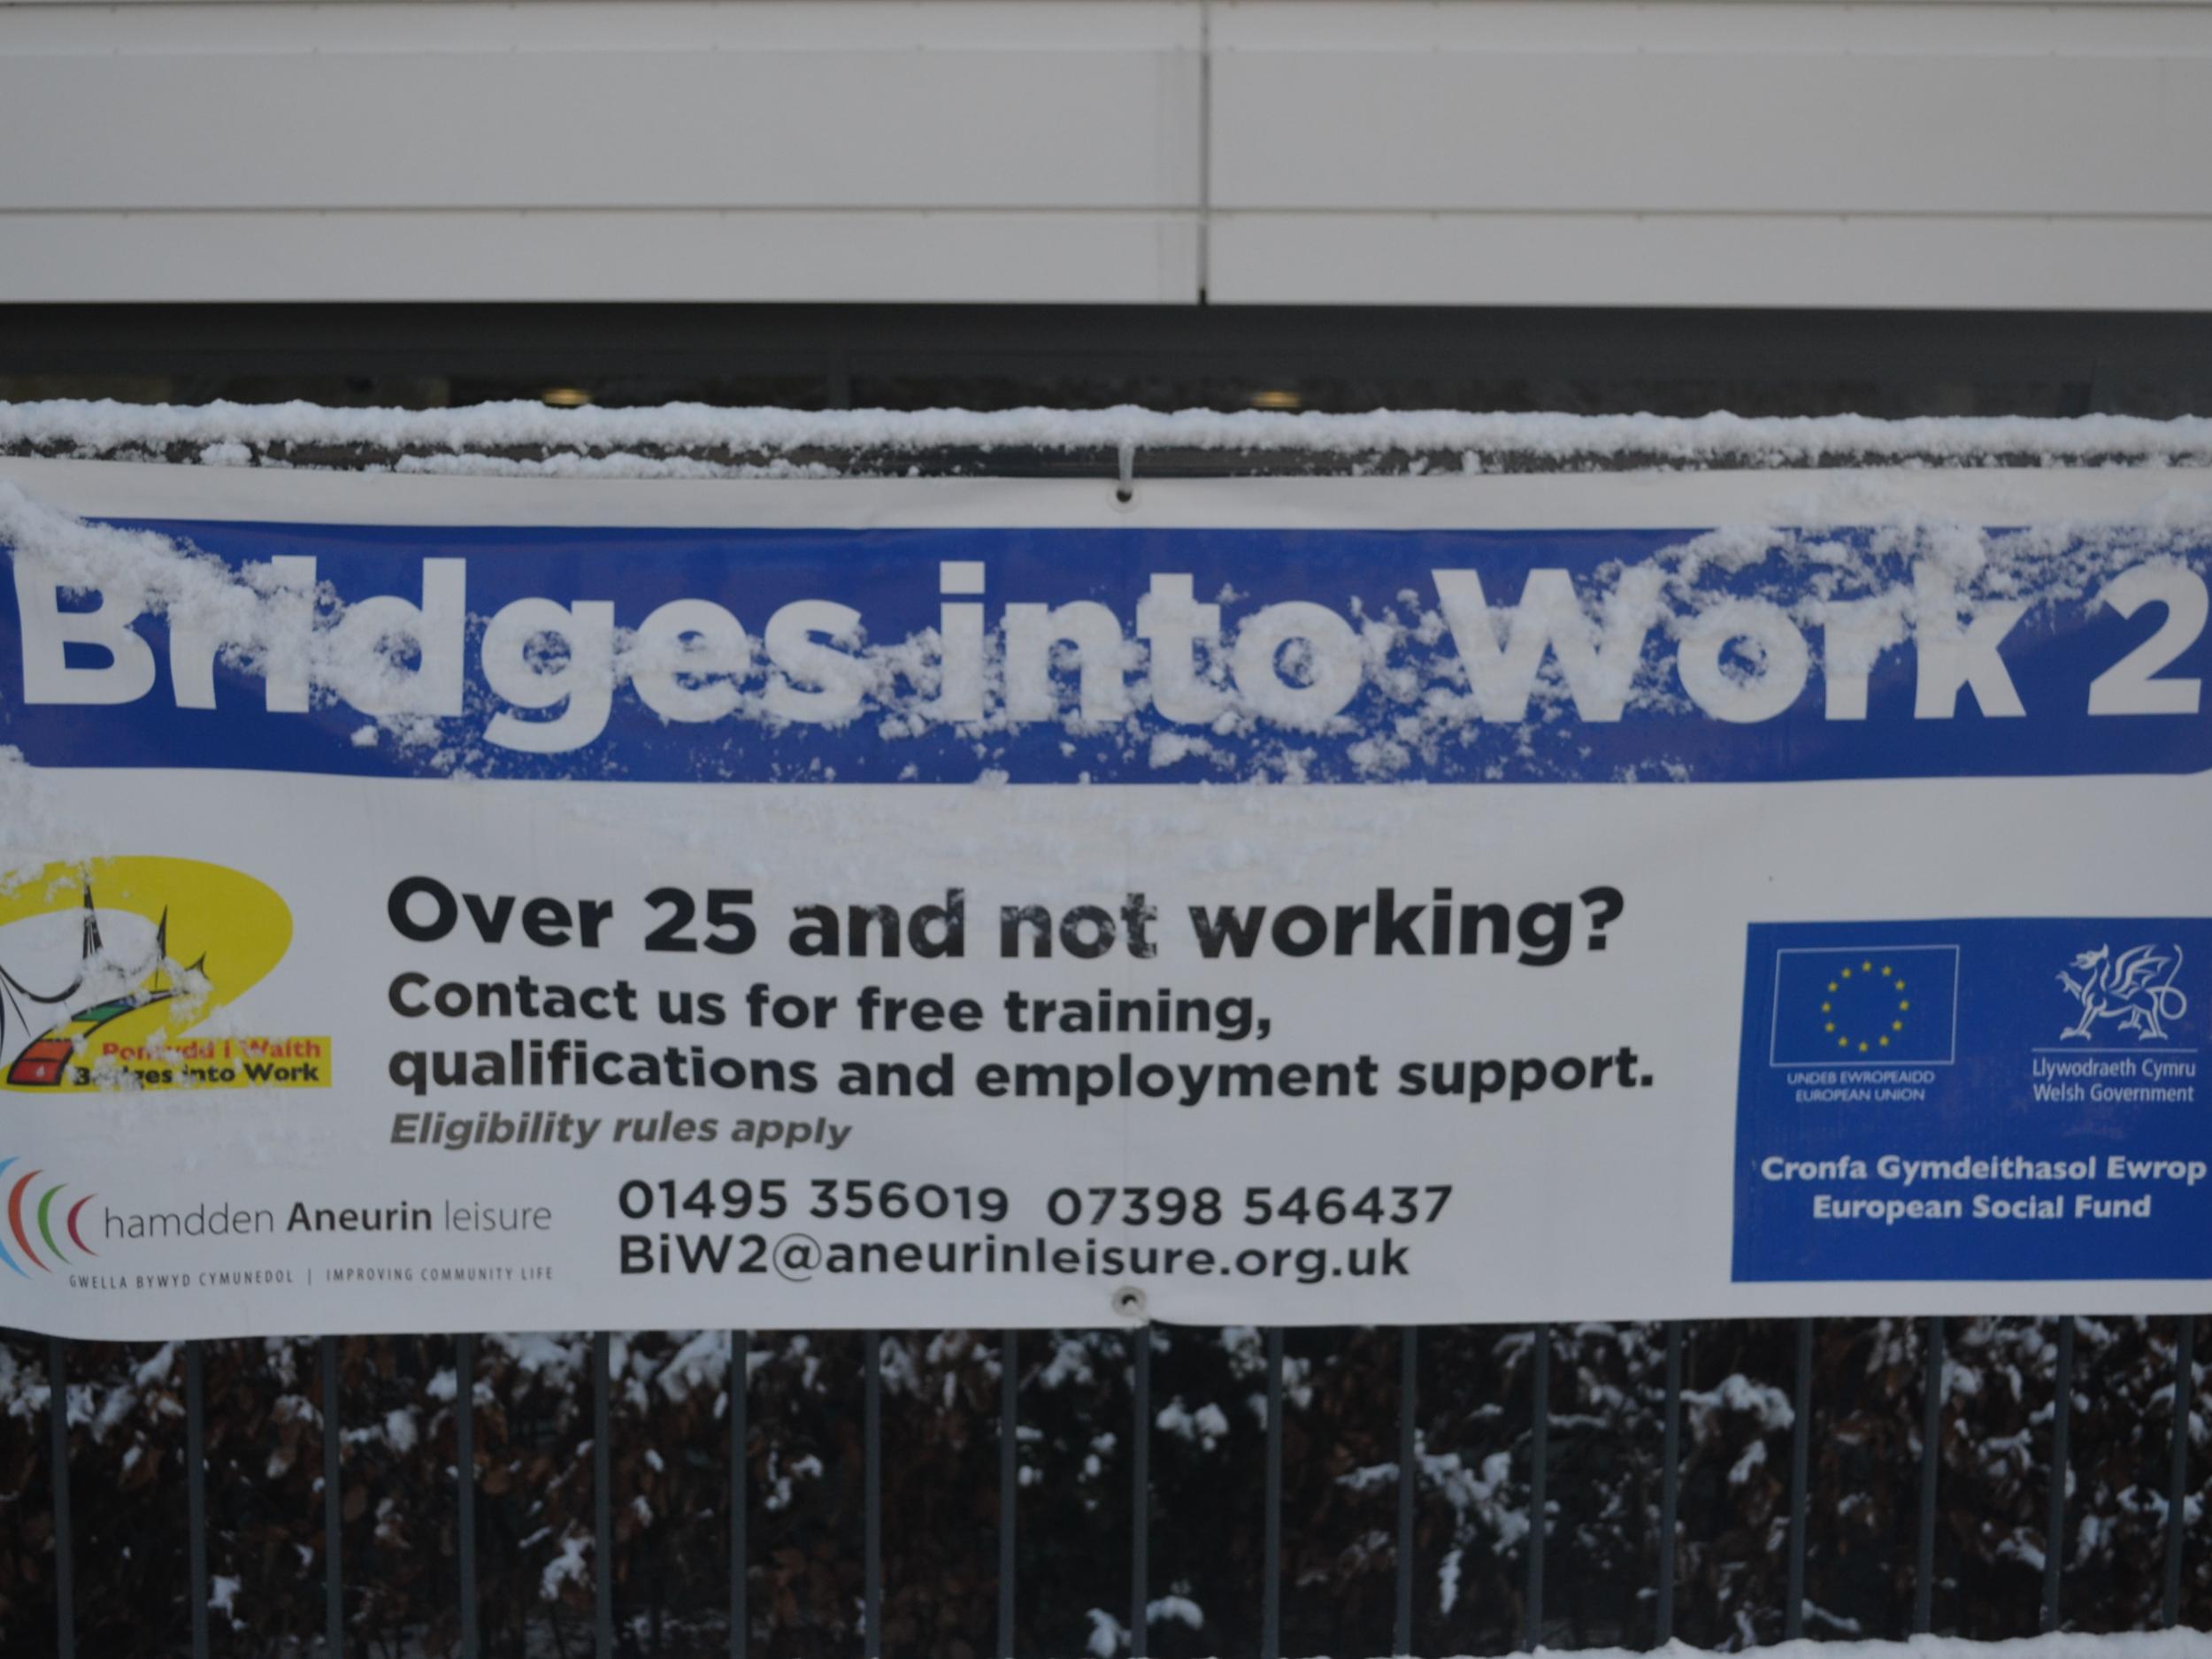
(2061, 1420)
(195, 1488)
(872, 1492)
(740, 1384)
(1670, 1482)
(1009, 1481)
(464, 1481)
(1271, 1547)
(2177, 1484)
(334, 1510)
(1931, 1462)
(64, 1543)
(1800, 1473)
(603, 1494)
(1408, 1475)
(1539, 1458)
(1140, 1490)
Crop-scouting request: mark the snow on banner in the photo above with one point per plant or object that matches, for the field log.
(433, 903)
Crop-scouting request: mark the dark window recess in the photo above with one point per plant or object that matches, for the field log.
(1890, 364)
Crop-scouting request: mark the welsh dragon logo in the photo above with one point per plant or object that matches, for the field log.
(2135, 988)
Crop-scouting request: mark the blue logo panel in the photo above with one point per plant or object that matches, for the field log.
(2012, 1098)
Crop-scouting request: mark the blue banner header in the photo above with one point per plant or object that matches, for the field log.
(1111, 655)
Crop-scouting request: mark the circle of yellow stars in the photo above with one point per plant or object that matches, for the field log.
(1868, 971)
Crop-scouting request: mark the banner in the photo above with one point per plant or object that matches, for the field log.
(452, 902)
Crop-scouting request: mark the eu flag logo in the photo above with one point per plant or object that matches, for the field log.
(1866, 1005)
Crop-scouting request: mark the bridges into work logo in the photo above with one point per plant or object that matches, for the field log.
(108, 965)
(33, 1220)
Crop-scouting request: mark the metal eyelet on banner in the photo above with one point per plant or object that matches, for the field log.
(1128, 1302)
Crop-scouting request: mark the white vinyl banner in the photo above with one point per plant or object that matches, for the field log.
(442, 904)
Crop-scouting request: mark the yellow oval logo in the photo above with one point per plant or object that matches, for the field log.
(110, 955)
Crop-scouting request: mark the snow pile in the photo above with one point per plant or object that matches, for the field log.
(2163, 1644)
(698, 439)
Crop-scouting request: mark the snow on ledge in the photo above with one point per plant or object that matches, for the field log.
(699, 440)
(2162, 1644)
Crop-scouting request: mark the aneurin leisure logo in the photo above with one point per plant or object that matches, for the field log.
(25, 1215)
(105, 965)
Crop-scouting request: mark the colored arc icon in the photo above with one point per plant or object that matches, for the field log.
(44, 1217)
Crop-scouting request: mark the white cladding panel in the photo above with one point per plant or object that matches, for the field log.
(1748, 152)
(853, 131)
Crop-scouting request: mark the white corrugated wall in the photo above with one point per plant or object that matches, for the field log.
(1752, 152)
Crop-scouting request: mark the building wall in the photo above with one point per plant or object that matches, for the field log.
(1462, 152)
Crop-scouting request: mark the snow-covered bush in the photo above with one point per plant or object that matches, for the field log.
(671, 1445)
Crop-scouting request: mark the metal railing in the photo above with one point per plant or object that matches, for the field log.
(1107, 463)
(1269, 1591)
